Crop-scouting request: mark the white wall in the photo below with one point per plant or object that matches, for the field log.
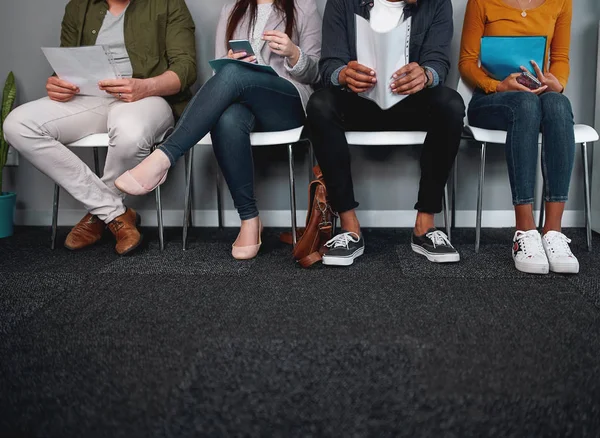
(379, 173)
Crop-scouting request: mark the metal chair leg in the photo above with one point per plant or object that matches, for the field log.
(187, 221)
(447, 214)
(480, 197)
(96, 162)
(454, 191)
(220, 213)
(55, 216)
(159, 216)
(586, 186)
(292, 193)
(542, 207)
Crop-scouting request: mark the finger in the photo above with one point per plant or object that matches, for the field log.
(360, 77)
(275, 33)
(249, 59)
(416, 83)
(238, 55)
(409, 77)
(407, 68)
(358, 90)
(538, 72)
(523, 69)
(61, 97)
(540, 90)
(113, 82)
(274, 39)
(519, 87)
(122, 90)
(63, 84)
(364, 86)
(354, 65)
(51, 88)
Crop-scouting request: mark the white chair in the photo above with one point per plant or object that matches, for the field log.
(397, 138)
(289, 138)
(97, 141)
(583, 135)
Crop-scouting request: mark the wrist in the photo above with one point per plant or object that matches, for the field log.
(342, 77)
(148, 87)
(293, 59)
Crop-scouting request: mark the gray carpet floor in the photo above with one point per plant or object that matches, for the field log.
(185, 344)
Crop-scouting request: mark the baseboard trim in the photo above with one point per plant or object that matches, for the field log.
(281, 218)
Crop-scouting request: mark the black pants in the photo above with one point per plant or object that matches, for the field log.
(439, 111)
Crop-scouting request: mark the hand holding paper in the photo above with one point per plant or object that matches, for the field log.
(59, 90)
(358, 77)
(410, 79)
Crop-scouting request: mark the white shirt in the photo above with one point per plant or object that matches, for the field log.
(386, 15)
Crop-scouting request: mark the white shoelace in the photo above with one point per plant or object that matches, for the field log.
(342, 240)
(558, 243)
(438, 238)
(529, 242)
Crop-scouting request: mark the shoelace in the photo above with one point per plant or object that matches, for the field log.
(438, 238)
(527, 246)
(342, 240)
(559, 243)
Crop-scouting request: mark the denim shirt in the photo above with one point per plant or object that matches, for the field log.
(431, 35)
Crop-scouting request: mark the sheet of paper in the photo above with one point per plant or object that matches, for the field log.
(218, 64)
(385, 53)
(82, 66)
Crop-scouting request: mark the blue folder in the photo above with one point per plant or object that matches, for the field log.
(502, 56)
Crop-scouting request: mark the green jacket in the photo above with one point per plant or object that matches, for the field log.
(159, 36)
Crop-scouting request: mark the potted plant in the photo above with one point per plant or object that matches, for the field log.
(7, 200)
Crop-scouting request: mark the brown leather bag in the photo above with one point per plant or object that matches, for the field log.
(319, 224)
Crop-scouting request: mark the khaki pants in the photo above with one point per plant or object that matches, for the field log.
(40, 129)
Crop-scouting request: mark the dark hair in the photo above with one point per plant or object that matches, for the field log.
(286, 7)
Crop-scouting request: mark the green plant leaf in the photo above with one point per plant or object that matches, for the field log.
(9, 95)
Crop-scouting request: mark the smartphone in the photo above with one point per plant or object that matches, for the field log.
(528, 80)
(241, 46)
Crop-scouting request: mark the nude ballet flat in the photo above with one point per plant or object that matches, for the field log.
(128, 184)
(247, 252)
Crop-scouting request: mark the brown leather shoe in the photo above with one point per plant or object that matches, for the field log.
(124, 228)
(87, 232)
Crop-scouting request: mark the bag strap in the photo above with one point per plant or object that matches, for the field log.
(310, 259)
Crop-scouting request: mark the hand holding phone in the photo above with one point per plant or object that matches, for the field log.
(242, 50)
(528, 80)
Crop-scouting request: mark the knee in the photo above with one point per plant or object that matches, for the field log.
(449, 103)
(234, 120)
(526, 106)
(17, 125)
(131, 138)
(321, 108)
(556, 105)
(233, 73)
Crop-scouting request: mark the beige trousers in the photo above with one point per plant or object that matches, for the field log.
(40, 129)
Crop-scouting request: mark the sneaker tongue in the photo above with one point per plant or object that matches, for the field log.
(342, 231)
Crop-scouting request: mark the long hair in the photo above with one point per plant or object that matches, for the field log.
(286, 7)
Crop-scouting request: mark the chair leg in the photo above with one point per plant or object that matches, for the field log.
(480, 197)
(292, 193)
(159, 216)
(586, 186)
(55, 216)
(454, 191)
(447, 214)
(542, 207)
(188, 196)
(220, 213)
(96, 162)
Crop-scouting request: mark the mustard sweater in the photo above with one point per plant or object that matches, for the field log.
(495, 18)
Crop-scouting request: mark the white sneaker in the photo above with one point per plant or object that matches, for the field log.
(528, 252)
(559, 253)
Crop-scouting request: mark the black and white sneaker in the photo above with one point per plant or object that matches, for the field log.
(435, 246)
(343, 249)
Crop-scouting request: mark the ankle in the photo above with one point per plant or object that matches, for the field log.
(423, 223)
(548, 228)
(349, 222)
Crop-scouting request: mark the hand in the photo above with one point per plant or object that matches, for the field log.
(128, 90)
(281, 44)
(59, 90)
(410, 79)
(357, 77)
(242, 56)
(547, 79)
(511, 84)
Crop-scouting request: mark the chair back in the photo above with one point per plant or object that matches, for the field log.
(466, 92)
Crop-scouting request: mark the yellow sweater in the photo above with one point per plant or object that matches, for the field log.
(495, 18)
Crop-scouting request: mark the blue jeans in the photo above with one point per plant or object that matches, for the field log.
(524, 115)
(231, 105)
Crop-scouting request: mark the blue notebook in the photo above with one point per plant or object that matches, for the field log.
(502, 56)
(218, 64)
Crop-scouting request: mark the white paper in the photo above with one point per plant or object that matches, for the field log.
(385, 53)
(83, 66)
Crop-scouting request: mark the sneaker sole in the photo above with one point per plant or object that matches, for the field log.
(532, 269)
(436, 258)
(343, 261)
(564, 268)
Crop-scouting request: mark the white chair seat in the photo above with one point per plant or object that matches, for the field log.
(583, 134)
(91, 141)
(386, 138)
